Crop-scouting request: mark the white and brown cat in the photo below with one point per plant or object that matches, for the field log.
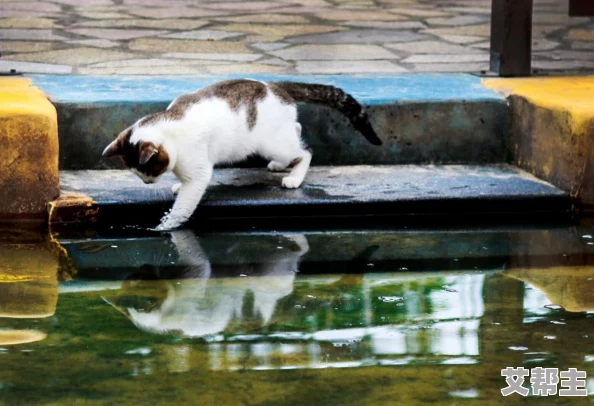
(225, 123)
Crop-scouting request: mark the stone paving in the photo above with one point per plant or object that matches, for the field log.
(177, 37)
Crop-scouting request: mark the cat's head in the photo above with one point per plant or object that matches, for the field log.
(141, 152)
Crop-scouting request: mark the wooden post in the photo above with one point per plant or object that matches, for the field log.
(581, 8)
(511, 37)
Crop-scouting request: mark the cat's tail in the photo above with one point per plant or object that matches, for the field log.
(335, 98)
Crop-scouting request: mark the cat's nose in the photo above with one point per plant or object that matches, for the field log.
(148, 181)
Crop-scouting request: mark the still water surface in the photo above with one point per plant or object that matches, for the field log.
(344, 318)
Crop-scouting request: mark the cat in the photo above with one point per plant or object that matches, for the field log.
(225, 123)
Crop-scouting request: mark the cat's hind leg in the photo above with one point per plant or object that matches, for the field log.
(300, 167)
(276, 166)
(282, 163)
(288, 150)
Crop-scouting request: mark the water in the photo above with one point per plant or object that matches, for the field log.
(288, 319)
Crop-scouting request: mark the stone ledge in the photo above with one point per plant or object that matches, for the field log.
(328, 192)
(29, 145)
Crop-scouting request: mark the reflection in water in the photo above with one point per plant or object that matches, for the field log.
(199, 304)
(13, 337)
(268, 316)
(181, 329)
(28, 288)
(568, 287)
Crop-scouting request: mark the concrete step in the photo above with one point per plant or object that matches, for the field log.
(117, 197)
(422, 119)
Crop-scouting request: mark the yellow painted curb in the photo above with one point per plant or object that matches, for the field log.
(17, 96)
(552, 130)
(573, 95)
(29, 176)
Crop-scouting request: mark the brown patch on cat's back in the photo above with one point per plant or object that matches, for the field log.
(240, 91)
(236, 93)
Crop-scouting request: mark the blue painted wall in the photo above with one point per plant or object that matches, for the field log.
(371, 90)
(424, 118)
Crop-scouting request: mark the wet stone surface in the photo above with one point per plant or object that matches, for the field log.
(402, 190)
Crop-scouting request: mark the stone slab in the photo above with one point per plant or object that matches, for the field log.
(115, 33)
(27, 23)
(9, 34)
(214, 57)
(73, 56)
(470, 67)
(210, 35)
(432, 47)
(446, 58)
(359, 36)
(388, 25)
(328, 191)
(334, 52)
(428, 118)
(97, 43)
(26, 46)
(164, 23)
(29, 145)
(158, 45)
(33, 67)
(337, 67)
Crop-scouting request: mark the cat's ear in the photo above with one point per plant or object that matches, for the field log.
(147, 151)
(113, 149)
(117, 146)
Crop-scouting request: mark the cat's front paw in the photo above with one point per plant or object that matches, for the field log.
(162, 227)
(167, 224)
(175, 188)
(291, 182)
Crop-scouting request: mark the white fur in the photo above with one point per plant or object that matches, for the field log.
(211, 133)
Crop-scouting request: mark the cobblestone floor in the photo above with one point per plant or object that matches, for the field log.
(170, 37)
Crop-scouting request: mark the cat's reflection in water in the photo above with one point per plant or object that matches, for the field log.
(200, 300)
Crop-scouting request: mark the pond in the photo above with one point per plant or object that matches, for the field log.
(348, 317)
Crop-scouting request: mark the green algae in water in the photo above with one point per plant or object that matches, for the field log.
(333, 339)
